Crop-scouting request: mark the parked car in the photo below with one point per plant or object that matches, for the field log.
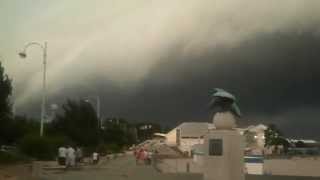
(6, 148)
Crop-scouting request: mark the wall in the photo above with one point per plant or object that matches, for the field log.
(178, 165)
(254, 168)
(286, 167)
(171, 138)
(187, 143)
(294, 166)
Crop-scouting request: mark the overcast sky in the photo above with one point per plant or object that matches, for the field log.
(156, 60)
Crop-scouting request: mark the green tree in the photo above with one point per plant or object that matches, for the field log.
(146, 130)
(5, 106)
(273, 136)
(79, 122)
(118, 131)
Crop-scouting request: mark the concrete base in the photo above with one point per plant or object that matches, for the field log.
(230, 164)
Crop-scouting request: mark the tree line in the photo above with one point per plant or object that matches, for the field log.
(77, 124)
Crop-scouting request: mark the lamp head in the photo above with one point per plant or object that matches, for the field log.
(22, 54)
(54, 107)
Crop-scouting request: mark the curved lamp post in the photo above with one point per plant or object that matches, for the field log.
(23, 54)
(97, 98)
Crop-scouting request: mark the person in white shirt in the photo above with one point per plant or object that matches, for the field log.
(95, 157)
(71, 157)
(62, 153)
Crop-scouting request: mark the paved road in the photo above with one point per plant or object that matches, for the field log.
(124, 168)
(119, 169)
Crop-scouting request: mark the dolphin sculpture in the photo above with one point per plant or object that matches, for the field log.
(223, 101)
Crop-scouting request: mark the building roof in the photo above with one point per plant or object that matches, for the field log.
(193, 129)
(159, 134)
(306, 141)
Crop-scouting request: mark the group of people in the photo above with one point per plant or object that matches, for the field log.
(143, 156)
(69, 156)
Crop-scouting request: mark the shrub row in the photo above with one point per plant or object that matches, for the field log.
(12, 157)
(41, 148)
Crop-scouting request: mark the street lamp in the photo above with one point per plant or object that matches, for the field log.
(97, 98)
(53, 108)
(23, 54)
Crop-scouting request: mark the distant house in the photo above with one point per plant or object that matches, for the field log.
(304, 147)
(189, 137)
(304, 142)
(188, 134)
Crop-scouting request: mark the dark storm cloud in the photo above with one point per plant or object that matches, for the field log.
(115, 38)
(273, 75)
(156, 60)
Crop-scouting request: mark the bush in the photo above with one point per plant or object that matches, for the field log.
(41, 148)
(113, 148)
(58, 141)
(37, 147)
(10, 157)
(102, 149)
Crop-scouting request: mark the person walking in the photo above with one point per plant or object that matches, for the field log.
(136, 155)
(70, 157)
(78, 155)
(95, 157)
(62, 153)
(149, 157)
(145, 156)
(140, 156)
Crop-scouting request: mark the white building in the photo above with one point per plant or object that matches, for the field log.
(187, 134)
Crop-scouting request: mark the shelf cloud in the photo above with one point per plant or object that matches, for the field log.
(156, 60)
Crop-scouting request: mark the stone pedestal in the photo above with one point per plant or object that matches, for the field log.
(224, 151)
